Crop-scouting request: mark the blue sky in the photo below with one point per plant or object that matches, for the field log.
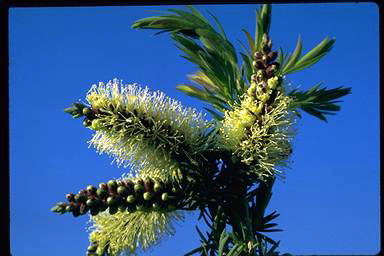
(329, 201)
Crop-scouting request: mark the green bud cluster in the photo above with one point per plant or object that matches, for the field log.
(76, 110)
(129, 194)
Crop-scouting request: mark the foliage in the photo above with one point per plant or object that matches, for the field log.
(180, 161)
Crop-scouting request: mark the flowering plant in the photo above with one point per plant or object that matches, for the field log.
(180, 161)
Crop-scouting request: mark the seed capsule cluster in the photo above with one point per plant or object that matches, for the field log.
(129, 194)
(264, 62)
(264, 81)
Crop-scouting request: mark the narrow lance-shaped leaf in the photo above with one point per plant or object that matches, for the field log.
(294, 57)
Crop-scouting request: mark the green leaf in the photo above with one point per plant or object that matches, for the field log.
(294, 57)
(237, 249)
(192, 91)
(317, 101)
(223, 241)
(251, 42)
(311, 57)
(214, 114)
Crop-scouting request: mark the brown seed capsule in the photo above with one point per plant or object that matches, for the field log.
(94, 211)
(275, 64)
(76, 211)
(70, 197)
(272, 56)
(258, 64)
(83, 209)
(80, 198)
(258, 55)
(103, 186)
(113, 209)
(148, 185)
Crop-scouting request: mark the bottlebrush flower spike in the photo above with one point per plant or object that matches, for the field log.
(136, 127)
(259, 129)
(125, 232)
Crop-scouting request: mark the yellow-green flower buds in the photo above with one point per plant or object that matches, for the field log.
(122, 190)
(138, 187)
(164, 196)
(147, 196)
(156, 186)
(102, 193)
(87, 122)
(91, 189)
(112, 184)
(97, 124)
(131, 199)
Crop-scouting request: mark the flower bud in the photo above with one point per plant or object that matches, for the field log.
(156, 186)
(102, 193)
(70, 197)
(258, 64)
(80, 197)
(131, 199)
(87, 111)
(112, 184)
(87, 122)
(91, 202)
(147, 196)
(69, 208)
(92, 248)
(258, 55)
(97, 124)
(111, 201)
(272, 56)
(91, 189)
(138, 187)
(121, 190)
(164, 196)
(103, 186)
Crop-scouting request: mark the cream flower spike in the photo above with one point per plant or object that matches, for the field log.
(136, 126)
(127, 232)
(260, 138)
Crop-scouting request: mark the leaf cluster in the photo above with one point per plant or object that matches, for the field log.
(219, 79)
(318, 101)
